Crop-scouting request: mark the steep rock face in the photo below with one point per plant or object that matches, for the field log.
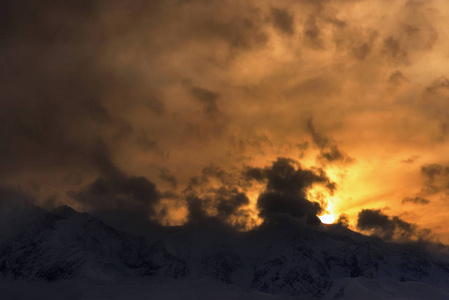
(295, 260)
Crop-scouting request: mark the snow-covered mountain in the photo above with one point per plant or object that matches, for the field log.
(64, 244)
(329, 262)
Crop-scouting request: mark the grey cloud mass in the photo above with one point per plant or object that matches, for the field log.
(154, 108)
(283, 20)
(285, 192)
(416, 200)
(390, 227)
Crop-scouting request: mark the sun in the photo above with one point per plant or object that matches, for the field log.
(327, 219)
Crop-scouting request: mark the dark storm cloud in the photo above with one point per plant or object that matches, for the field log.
(128, 202)
(217, 194)
(207, 173)
(361, 51)
(417, 27)
(136, 195)
(92, 89)
(66, 109)
(207, 98)
(314, 87)
(312, 34)
(115, 194)
(254, 144)
(397, 78)
(54, 88)
(319, 140)
(438, 85)
(303, 146)
(156, 105)
(395, 51)
(389, 228)
(285, 192)
(374, 219)
(283, 20)
(41, 17)
(436, 178)
(343, 220)
(434, 105)
(222, 204)
(39, 129)
(416, 200)
(431, 171)
(230, 201)
(241, 29)
(332, 154)
(214, 174)
(196, 208)
(100, 158)
(146, 144)
(410, 160)
(169, 177)
(329, 151)
(425, 36)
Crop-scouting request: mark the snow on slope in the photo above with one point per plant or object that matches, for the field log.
(136, 290)
(300, 261)
(65, 244)
(369, 289)
(296, 260)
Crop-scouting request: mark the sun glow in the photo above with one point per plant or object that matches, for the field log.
(327, 219)
(330, 216)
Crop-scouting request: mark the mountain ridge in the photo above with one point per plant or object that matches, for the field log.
(281, 259)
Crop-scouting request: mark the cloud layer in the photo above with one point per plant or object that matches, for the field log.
(121, 105)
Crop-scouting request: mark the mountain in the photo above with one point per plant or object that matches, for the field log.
(64, 244)
(310, 262)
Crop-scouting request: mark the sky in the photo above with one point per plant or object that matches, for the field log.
(246, 111)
